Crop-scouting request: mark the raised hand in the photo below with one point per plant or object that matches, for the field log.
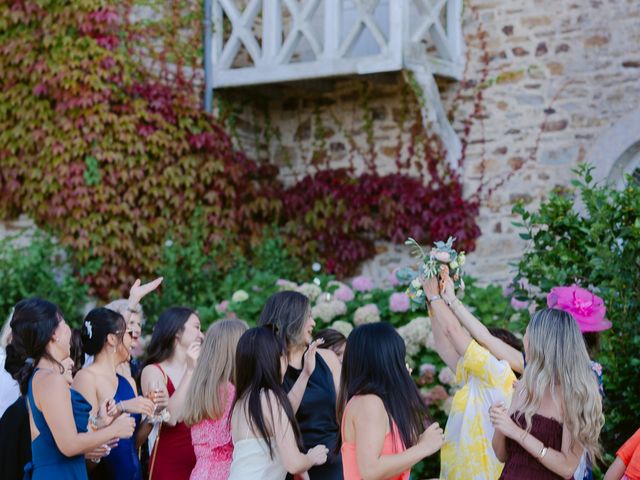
(193, 352)
(431, 439)
(318, 454)
(431, 287)
(309, 358)
(138, 291)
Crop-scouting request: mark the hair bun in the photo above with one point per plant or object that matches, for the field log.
(18, 364)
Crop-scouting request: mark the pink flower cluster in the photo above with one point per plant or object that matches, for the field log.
(399, 302)
(362, 284)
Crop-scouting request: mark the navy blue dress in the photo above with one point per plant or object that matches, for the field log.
(123, 462)
(48, 462)
(317, 417)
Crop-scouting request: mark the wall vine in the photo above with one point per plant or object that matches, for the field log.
(105, 145)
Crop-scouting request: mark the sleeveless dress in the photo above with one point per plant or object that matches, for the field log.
(123, 462)
(49, 463)
(212, 444)
(317, 417)
(391, 446)
(520, 465)
(251, 461)
(172, 457)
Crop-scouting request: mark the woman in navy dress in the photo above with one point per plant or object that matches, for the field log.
(40, 343)
(106, 336)
(311, 379)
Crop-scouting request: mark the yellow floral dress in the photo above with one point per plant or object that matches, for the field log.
(467, 453)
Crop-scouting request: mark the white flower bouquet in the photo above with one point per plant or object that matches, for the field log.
(442, 261)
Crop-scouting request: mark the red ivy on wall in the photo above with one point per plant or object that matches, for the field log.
(111, 157)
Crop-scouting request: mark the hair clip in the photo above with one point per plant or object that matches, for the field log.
(272, 327)
(87, 325)
(29, 361)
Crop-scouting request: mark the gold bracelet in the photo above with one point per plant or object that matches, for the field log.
(542, 453)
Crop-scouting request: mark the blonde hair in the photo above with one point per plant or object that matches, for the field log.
(207, 394)
(121, 305)
(557, 359)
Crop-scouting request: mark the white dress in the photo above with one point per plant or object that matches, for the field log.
(9, 388)
(251, 461)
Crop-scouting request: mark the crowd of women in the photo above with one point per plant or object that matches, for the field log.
(271, 402)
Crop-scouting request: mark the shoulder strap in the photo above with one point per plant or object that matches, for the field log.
(38, 417)
(164, 375)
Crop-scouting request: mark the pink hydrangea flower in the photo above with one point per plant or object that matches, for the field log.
(518, 304)
(344, 293)
(222, 306)
(399, 302)
(435, 394)
(446, 376)
(362, 283)
(392, 279)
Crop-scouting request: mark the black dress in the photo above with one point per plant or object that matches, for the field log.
(15, 440)
(317, 417)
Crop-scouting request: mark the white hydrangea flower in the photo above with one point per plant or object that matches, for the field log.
(366, 314)
(345, 328)
(309, 290)
(415, 334)
(239, 296)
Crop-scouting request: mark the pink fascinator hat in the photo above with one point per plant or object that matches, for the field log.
(586, 308)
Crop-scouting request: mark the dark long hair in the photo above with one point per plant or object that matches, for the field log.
(374, 363)
(33, 323)
(288, 312)
(258, 370)
(333, 339)
(97, 326)
(170, 324)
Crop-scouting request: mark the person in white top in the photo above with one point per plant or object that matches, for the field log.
(265, 434)
(9, 388)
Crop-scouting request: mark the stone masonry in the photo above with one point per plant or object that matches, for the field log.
(554, 75)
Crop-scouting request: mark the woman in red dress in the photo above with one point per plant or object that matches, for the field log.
(172, 355)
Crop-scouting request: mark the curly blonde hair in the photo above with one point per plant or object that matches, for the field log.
(557, 359)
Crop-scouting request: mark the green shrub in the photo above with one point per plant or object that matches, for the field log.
(598, 249)
(40, 269)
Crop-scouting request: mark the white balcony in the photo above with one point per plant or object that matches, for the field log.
(268, 41)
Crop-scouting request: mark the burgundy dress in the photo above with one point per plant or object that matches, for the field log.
(520, 465)
(173, 457)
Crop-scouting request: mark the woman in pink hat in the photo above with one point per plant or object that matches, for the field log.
(588, 311)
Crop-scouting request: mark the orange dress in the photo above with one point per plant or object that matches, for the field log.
(392, 445)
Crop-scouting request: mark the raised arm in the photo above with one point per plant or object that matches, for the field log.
(152, 374)
(308, 366)
(480, 332)
(450, 338)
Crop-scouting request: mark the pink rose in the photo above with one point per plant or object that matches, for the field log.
(362, 284)
(344, 293)
(444, 257)
(399, 302)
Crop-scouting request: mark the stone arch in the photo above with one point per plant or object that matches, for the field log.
(617, 151)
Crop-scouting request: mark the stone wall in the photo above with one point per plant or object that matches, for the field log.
(544, 80)
(553, 76)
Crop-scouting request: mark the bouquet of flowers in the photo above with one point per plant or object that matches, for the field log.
(442, 260)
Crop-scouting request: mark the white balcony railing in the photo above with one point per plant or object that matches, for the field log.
(268, 41)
